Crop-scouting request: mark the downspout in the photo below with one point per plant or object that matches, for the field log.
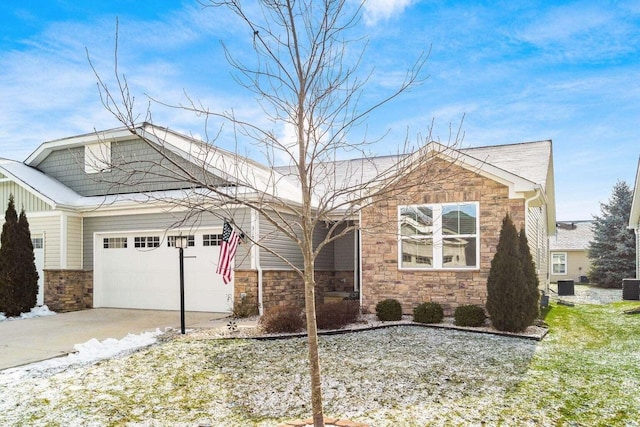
(359, 250)
(255, 233)
(526, 223)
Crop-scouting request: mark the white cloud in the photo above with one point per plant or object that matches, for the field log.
(378, 10)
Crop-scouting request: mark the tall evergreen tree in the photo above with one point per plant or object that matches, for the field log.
(18, 273)
(8, 262)
(507, 290)
(26, 273)
(533, 282)
(612, 250)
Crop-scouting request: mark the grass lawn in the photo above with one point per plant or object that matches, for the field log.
(586, 372)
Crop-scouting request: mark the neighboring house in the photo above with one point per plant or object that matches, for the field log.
(634, 218)
(569, 251)
(111, 242)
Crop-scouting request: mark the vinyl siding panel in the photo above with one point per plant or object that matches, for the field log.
(537, 236)
(277, 242)
(344, 251)
(23, 198)
(137, 168)
(74, 242)
(48, 226)
(160, 221)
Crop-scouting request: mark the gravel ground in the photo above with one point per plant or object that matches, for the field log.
(586, 294)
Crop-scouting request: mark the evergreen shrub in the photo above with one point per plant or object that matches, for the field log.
(509, 294)
(388, 310)
(337, 314)
(469, 315)
(18, 273)
(282, 319)
(428, 312)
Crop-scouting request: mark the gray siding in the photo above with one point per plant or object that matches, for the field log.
(344, 251)
(160, 221)
(136, 168)
(283, 246)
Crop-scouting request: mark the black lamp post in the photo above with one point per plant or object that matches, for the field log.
(181, 243)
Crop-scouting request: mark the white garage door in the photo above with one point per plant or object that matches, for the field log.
(141, 270)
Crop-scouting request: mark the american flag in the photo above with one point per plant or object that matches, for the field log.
(228, 247)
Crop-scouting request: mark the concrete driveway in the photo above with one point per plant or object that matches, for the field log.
(31, 340)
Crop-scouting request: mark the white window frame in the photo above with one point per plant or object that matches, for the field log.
(97, 157)
(565, 263)
(438, 238)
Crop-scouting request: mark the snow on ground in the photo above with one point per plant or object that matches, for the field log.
(387, 377)
(399, 375)
(35, 312)
(85, 353)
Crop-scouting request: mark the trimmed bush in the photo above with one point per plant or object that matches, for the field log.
(244, 308)
(509, 298)
(388, 310)
(469, 315)
(282, 318)
(428, 312)
(336, 315)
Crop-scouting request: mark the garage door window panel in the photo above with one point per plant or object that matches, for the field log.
(114, 242)
(171, 241)
(211, 239)
(146, 242)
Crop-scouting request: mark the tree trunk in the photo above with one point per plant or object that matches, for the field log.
(312, 334)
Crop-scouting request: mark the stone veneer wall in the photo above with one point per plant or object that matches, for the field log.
(381, 278)
(286, 287)
(68, 290)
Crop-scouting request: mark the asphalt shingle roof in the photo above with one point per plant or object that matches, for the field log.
(569, 238)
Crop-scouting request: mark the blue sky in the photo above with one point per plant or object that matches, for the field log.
(516, 71)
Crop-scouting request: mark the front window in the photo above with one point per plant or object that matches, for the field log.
(443, 236)
(559, 263)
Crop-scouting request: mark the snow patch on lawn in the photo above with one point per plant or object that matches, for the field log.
(85, 353)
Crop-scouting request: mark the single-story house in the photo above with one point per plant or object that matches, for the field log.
(569, 251)
(106, 237)
(634, 218)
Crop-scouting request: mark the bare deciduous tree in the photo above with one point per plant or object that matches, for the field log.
(302, 80)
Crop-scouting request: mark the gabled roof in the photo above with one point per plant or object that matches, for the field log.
(525, 167)
(572, 235)
(244, 174)
(52, 191)
(526, 164)
(529, 160)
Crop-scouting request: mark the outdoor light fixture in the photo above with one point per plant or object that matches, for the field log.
(181, 243)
